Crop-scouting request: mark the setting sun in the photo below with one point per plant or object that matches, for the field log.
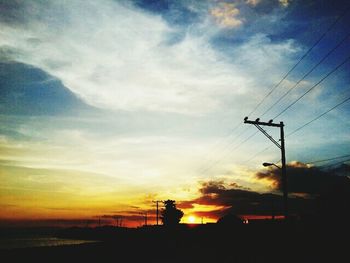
(191, 219)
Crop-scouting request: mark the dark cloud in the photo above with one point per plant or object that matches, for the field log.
(310, 191)
(11, 11)
(21, 13)
(305, 179)
(185, 205)
(237, 186)
(26, 90)
(212, 187)
(329, 190)
(236, 200)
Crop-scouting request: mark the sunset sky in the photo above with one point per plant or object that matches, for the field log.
(107, 105)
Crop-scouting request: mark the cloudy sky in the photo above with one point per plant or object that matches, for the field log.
(107, 105)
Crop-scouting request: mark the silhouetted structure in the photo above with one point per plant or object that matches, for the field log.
(171, 216)
(281, 146)
(230, 220)
(157, 211)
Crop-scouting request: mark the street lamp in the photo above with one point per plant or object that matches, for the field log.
(271, 164)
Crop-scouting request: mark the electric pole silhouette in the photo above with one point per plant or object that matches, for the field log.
(280, 125)
(144, 214)
(157, 202)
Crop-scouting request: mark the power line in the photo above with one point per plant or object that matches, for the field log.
(333, 164)
(299, 61)
(329, 159)
(308, 73)
(213, 162)
(257, 154)
(217, 143)
(302, 126)
(314, 86)
(319, 116)
(296, 130)
(219, 160)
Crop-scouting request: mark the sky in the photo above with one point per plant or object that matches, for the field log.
(109, 105)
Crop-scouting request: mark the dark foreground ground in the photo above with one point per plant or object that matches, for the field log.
(266, 242)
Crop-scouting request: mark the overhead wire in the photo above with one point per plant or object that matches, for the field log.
(217, 142)
(318, 117)
(286, 75)
(224, 149)
(305, 93)
(303, 126)
(333, 164)
(329, 159)
(307, 74)
(219, 160)
(314, 86)
(300, 60)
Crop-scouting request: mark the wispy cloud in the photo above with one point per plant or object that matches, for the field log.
(226, 15)
(122, 59)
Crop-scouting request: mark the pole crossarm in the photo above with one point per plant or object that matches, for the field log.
(258, 122)
(268, 136)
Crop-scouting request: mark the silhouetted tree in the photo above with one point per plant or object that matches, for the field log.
(170, 215)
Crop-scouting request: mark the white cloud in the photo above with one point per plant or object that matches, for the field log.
(253, 2)
(117, 57)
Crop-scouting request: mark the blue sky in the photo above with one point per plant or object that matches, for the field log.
(148, 97)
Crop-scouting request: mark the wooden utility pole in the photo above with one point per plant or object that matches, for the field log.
(281, 146)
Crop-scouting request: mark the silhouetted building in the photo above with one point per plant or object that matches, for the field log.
(230, 220)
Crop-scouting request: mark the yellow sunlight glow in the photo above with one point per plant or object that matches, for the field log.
(191, 219)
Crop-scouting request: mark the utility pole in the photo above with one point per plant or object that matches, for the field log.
(144, 214)
(157, 202)
(280, 125)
